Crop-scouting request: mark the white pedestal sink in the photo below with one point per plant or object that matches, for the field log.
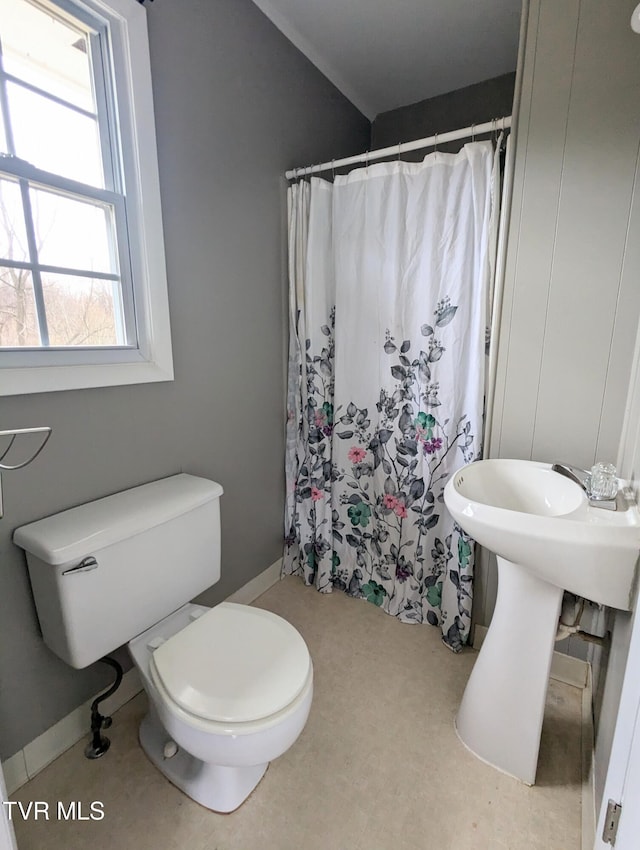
(548, 539)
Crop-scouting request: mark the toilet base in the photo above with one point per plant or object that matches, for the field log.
(217, 787)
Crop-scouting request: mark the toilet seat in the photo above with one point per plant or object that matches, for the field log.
(233, 665)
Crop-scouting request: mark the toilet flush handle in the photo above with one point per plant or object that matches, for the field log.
(86, 564)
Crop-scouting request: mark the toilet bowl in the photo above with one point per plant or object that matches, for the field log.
(229, 687)
(221, 709)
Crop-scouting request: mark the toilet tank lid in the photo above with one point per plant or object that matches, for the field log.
(84, 530)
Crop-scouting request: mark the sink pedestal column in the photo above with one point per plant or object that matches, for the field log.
(500, 716)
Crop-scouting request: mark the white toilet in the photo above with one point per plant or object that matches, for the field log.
(229, 687)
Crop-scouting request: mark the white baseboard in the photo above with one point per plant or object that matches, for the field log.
(33, 758)
(258, 585)
(564, 668)
(15, 772)
(479, 634)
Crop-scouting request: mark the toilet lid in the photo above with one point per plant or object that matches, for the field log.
(234, 664)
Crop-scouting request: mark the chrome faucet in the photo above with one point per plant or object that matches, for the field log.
(582, 478)
(578, 475)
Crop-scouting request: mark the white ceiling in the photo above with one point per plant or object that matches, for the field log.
(383, 54)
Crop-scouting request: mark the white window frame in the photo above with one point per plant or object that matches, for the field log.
(44, 370)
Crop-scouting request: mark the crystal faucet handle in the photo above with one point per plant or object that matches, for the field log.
(604, 483)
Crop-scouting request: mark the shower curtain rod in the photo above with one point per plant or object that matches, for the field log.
(474, 130)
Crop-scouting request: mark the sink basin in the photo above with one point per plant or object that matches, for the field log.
(518, 485)
(528, 514)
(547, 539)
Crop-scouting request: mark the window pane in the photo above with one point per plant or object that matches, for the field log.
(18, 320)
(13, 236)
(81, 311)
(72, 233)
(54, 137)
(47, 52)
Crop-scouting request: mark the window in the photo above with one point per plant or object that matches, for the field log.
(82, 277)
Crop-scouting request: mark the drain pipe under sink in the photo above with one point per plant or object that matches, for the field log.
(570, 627)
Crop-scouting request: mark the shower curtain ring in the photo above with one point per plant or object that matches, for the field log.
(473, 132)
(333, 169)
(435, 143)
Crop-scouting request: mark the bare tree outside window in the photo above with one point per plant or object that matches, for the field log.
(60, 281)
(80, 310)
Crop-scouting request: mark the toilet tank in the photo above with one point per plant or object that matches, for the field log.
(105, 571)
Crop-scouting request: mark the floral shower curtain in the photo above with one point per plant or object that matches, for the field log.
(390, 279)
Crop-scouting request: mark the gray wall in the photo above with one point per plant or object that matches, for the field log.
(461, 108)
(236, 104)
